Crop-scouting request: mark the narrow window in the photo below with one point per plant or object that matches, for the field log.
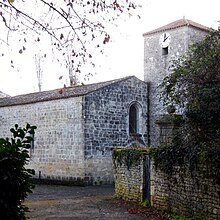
(165, 51)
(32, 145)
(133, 117)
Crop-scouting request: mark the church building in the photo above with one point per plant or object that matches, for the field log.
(78, 127)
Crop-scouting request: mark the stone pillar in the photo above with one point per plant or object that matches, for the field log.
(168, 125)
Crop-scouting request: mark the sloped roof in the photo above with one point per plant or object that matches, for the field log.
(57, 93)
(2, 95)
(176, 24)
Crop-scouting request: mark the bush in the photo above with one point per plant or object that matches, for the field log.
(194, 87)
(15, 179)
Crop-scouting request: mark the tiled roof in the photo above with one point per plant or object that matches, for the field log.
(176, 24)
(57, 93)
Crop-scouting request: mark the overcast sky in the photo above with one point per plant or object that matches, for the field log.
(124, 54)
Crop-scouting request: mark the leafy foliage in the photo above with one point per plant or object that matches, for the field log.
(128, 157)
(194, 86)
(15, 179)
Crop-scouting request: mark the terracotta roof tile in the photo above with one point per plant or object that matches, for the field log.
(57, 93)
(176, 24)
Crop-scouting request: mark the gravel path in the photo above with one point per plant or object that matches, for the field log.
(65, 202)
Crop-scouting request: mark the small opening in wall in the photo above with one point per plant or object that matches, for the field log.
(165, 51)
(32, 145)
(133, 116)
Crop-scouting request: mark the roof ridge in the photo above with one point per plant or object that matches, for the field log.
(178, 23)
(108, 81)
(60, 93)
(2, 95)
(76, 86)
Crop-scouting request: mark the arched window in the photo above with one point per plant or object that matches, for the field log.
(134, 118)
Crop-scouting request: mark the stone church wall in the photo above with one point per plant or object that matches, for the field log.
(107, 125)
(58, 152)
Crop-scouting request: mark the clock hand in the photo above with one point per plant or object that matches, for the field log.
(165, 39)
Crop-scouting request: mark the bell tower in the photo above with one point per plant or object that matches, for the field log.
(162, 45)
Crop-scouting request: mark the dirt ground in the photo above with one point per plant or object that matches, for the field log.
(65, 202)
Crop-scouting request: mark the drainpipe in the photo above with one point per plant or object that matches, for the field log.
(148, 113)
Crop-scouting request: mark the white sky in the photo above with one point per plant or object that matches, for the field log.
(123, 55)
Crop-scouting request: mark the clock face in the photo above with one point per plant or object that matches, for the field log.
(164, 40)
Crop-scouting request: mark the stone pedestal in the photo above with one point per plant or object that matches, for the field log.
(168, 125)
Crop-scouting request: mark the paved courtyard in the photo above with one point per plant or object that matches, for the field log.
(64, 202)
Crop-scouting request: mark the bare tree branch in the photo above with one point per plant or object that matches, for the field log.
(75, 24)
(44, 28)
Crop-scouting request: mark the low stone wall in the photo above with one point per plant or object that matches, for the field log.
(179, 193)
(129, 183)
(184, 194)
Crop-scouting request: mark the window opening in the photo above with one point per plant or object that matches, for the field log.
(133, 117)
(165, 51)
(32, 145)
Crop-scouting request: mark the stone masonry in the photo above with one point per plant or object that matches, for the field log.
(77, 127)
(180, 193)
(58, 146)
(129, 183)
(184, 194)
(106, 124)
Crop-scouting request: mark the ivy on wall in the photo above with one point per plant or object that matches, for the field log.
(128, 156)
(194, 86)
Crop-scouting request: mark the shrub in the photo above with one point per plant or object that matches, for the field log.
(194, 87)
(15, 179)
